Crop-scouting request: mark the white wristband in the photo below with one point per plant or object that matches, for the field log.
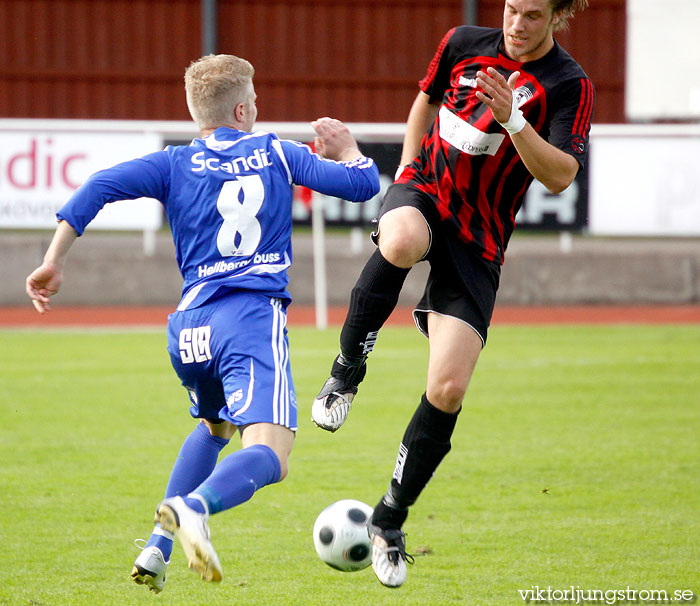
(399, 170)
(516, 122)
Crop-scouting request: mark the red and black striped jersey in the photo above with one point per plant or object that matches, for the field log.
(467, 161)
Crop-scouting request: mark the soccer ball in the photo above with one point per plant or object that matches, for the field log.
(340, 535)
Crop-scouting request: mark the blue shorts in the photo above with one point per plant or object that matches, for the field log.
(232, 356)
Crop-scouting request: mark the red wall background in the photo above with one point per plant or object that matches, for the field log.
(358, 60)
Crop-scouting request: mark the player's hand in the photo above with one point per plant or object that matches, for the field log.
(497, 93)
(43, 283)
(334, 141)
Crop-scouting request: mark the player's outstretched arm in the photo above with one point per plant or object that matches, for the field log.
(45, 281)
(337, 169)
(334, 140)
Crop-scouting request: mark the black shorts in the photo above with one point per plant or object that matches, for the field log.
(461, 284)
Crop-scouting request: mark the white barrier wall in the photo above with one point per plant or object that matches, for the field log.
(43, 162)
(642, 180)
(662, 60)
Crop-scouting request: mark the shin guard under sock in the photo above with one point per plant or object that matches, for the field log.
(237, 478)
(195, 462)
(425, 443)
(373, 298)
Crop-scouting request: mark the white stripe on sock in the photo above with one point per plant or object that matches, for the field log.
(163, 533)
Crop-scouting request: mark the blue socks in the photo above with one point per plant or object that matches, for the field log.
(194, 464)
(232, 482)
(236, 479)
(222, 487)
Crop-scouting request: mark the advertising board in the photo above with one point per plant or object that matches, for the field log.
(40, 170)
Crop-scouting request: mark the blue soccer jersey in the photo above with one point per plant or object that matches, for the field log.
(228, 199)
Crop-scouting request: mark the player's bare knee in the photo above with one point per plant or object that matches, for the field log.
(447, 395)
(401, 250)
(404, 238)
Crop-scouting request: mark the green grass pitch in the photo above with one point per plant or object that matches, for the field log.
(575, 463)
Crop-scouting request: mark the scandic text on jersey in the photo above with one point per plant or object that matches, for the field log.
(258, 160)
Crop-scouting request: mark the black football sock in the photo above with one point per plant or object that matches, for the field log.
(373, 299)
(424, 445)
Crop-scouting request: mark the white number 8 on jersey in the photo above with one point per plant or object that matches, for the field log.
(238, 203)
